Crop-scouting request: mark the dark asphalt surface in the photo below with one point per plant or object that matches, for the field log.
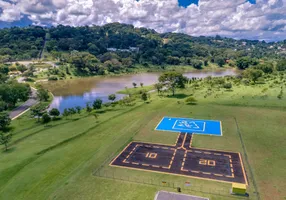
(184, 160)
(30, 102)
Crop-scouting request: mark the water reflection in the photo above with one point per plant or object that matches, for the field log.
(79, 92)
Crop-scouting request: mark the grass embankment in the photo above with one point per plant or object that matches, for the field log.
(136, 90)
(29, 171)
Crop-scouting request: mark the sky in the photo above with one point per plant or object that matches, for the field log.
(239, 19)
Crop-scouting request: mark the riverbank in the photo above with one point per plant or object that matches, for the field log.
(79, 92)
(137, 69)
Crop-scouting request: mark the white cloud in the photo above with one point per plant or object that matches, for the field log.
(225, 17)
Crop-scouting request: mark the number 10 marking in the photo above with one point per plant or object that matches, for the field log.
(151, 155)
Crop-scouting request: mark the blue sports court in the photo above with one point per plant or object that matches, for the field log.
(189, 125)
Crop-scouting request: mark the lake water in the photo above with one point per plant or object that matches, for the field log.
(79, 92)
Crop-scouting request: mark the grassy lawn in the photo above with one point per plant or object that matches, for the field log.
(136, 90)
(58, 161)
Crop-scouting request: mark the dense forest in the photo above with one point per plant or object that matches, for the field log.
(117, 48)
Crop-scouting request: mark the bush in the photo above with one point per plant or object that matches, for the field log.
(54, 112)
(260, 80)
(46, 118)
(97, 104)
(53, 78)
(227, 86)
(3, 106)
(29, 79)
(191, 101)
(108, 104)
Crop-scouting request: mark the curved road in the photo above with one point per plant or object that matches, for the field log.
(17, 112)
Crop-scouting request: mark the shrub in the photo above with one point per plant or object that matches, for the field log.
(29, 79)
(54, 112)
(46, 118)
(97, 104)
(53, 78)
(227, 86)
(191, 101)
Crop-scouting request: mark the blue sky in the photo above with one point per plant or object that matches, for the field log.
(253, 19)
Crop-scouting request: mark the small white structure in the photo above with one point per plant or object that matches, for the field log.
(164, 195)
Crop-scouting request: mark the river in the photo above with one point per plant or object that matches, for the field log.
(79, 92)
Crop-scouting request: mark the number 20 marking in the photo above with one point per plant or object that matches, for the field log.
(207, 162)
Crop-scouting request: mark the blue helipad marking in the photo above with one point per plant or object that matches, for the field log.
(188, 125)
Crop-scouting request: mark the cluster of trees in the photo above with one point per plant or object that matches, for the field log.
(11, 91)
(86, 48)
(21, 43)
(4, 124)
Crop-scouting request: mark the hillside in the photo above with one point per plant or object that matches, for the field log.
(25, 43)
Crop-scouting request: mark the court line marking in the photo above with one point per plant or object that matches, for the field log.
(169, 173)
(121, 152)
(190, 146)
(202, 130)
(203, 172)
(183, 143)
(241, 163)
(150, 165)
(159, 123)
(175, 151)
(177, 139)
(243, 170)
(156, 128)
(206, 134)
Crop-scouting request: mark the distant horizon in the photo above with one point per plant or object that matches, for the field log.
(229, 37)
(241, 19)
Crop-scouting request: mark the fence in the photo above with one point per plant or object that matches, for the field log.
(113, 173)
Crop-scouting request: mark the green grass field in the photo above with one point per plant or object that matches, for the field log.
(58, 161)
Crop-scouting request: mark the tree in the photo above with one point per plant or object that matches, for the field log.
(281, 65)
(54, 113)
(197, 64)
(38, 110)
(243, 63)
(253, 74)
(21, 68)
(72, 111)
(220, 61)
(5, 139)
(88, 108)
(97, 104)
(78, 109)
(112, 97)
(173, 80)
(265, 67)
(46, 118)
(43, 94)
(66, 113)
(12, 92)
(141, 84)
(158, 87)
(4, 120)
(134, 84)
(191, 100)
(144, 96)
(3, 106)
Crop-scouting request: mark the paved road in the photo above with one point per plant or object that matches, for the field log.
(26, 106)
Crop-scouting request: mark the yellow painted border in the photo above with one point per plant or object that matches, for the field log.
(188, 176)
(121, 152)
(243, 170)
